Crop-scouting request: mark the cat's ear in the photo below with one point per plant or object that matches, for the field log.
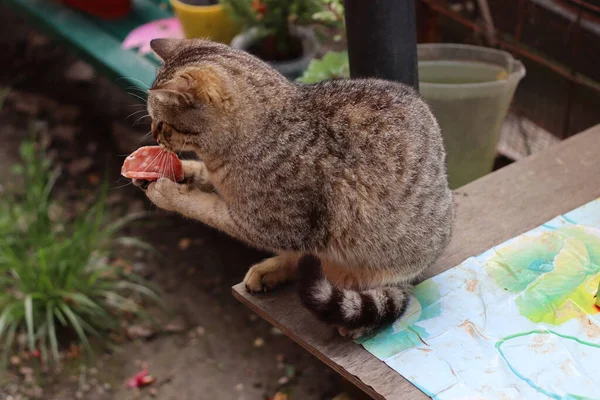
(170, 97)
(194, 86)
(165, 48)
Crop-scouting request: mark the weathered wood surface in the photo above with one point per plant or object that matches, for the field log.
(489, 211)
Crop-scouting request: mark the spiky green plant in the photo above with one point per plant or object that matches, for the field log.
(55, 271)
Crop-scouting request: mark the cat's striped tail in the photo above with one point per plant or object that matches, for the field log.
(353, 312)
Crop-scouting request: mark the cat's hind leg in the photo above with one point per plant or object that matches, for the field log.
(271, 272)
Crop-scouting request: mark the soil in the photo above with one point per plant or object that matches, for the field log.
(208, 345)
(200, 2)
(266, 50)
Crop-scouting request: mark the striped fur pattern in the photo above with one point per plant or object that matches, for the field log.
(354, 312)
(351, 172)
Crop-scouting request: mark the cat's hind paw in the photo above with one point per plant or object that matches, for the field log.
(352, 333)
(270, 273)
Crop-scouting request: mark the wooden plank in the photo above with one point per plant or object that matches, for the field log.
(93, 42)
(489, 211)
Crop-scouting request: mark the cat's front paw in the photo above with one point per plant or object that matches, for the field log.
(165, 193)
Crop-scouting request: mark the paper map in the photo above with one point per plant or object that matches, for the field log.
(516, 322)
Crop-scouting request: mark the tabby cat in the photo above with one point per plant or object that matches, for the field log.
(345, 181)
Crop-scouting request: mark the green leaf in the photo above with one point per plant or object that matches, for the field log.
(333, 65)
(29, 321)
(52, 332)
(75, 323)
(10, 337)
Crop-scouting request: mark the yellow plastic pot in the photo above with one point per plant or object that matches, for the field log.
(207, 22)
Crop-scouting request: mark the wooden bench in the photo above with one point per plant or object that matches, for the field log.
(490, 211)
(99, 41)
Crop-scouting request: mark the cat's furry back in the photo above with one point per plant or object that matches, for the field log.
(344, 180)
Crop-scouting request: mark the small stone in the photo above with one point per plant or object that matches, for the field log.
(22, 339)
(36, 39)
(64, 132)
(259, 342)
(85, 387)
(15, 360)
(66, 113)
(139, 332)
(80, 72)
(26, 370)
(79, 395)
(283, 380)
(94, 179)
(276, 332)
(200, 331)
(239, 387)
(253, 317)
(79, 166)
(184, 243)
(280, 357)
(93, 371)
(153, 392)
(342, 396)
(175, 327)
(107, 387)
(36, 392)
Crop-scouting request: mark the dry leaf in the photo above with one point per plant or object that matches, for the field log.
(141, 379)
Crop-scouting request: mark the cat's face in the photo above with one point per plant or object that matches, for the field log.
(207, 95)
(190, 98)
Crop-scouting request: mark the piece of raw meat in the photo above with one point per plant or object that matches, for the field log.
(152, 162)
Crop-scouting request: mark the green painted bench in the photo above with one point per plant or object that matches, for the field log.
(99, 41)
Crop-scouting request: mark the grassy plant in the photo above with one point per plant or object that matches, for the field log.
(56, 275)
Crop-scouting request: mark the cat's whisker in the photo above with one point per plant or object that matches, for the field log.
(134, 80)
(137, 121)
(184, 143)
(139, 97)
(147, 135)
(133, 113)
(122, 186)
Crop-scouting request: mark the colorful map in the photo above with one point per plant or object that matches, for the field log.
(519, 321)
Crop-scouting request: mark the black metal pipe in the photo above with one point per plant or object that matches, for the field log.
(382, 40)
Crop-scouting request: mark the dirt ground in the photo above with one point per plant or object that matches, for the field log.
(216, 348)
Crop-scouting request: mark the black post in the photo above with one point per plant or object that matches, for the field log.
(382, 40)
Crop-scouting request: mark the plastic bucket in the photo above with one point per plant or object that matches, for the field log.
(469, 89)
(206, 22)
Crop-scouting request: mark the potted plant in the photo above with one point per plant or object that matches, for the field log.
(277, 31)
(205, 19)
